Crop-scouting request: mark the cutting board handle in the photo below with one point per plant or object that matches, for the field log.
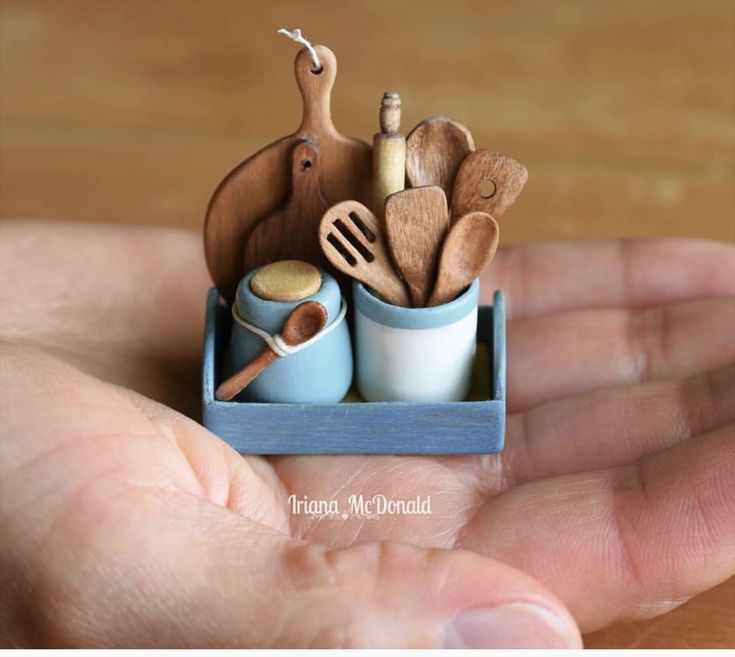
(316, 90)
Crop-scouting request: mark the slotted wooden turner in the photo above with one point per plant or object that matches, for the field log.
(352, 239)
(258, 185)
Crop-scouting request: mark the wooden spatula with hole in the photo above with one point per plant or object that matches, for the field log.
(260, 184)
(487, 181)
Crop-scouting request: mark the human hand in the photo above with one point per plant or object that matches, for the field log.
(125, 523)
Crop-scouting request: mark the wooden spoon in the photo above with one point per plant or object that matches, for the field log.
(260, 184)
(352, 239)
(416, 221)
(292, 231)
(302, 324)
(487, 182)
(469, 247)
(434, 150)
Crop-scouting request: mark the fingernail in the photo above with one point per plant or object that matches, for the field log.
(517, 625)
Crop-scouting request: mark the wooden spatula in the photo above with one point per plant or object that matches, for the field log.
(487, 182)
(468, 248)
(352, 239)
(416, 221)
(292, 231)
(434, 150)
(260, 184)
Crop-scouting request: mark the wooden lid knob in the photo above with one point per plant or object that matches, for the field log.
(286, 280)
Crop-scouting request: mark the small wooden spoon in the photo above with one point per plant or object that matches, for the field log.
(469, 247)
(434, 150)
(302, 324)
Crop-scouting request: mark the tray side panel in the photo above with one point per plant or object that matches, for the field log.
(376, 428)
(209, 352)
(498, 345)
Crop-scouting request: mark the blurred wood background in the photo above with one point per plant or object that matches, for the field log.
(624, 113)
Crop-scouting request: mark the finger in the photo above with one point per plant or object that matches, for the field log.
(113, 535)
(569, 353)
(613, 426)
(123, 303)
(608, 427)
(542, 278)
(623, 543)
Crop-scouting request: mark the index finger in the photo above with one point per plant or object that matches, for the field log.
(123, 303)
(546, 277)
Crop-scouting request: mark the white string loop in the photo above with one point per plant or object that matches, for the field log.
(276, 343)
(296, 36)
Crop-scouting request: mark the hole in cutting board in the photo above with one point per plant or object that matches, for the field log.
(305, 164)
(317, 71)
(486, 188)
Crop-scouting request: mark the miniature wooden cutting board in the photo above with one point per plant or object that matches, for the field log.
(260, 184)
(292, 231)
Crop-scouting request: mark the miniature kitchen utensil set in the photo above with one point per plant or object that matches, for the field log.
(317, 222)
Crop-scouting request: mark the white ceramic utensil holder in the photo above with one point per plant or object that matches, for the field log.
(415, 354)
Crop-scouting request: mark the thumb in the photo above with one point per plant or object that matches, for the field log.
(395, 595)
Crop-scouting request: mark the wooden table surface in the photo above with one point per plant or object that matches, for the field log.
(132, 111)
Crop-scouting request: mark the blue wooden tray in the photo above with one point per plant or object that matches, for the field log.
(466, 427)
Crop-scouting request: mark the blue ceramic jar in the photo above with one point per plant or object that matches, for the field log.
(321, 373)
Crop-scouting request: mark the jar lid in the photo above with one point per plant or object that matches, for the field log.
(286, 280)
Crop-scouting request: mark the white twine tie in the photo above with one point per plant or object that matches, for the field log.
(276, 343)
(296, 36)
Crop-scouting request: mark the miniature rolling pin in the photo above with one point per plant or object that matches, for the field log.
(389, 153)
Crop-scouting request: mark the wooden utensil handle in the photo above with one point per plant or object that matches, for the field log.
(235, 384)
(316, 90)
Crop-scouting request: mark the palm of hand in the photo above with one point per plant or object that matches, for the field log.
(134, 524)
